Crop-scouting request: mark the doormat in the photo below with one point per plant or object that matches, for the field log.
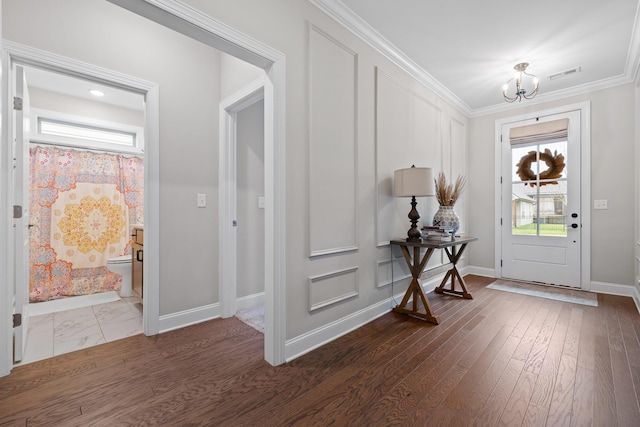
(546, 291)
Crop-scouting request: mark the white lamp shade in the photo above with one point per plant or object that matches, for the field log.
(413, 182)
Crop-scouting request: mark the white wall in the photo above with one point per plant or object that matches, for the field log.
(187, 71)
(250, 186)
(235, 74)
(612, 178)
(345, 105)
(337, 188)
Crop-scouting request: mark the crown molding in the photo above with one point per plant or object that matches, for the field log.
(554, 96)
(633, 56)
(345, 16)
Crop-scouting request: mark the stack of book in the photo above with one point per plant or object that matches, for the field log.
(435, 231)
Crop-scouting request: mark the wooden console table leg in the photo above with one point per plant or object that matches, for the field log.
(416, 265)
(454, 257)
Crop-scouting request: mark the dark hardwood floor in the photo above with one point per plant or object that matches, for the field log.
(499, 359)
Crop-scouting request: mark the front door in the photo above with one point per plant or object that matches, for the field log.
(541, 218)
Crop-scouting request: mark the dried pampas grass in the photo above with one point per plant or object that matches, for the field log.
(447, 194)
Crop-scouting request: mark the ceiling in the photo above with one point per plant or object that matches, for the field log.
(465, 50)
(79, 88)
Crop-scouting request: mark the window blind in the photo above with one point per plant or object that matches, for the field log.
(547, 131)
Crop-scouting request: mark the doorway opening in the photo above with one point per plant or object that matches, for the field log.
(220, 36)
(84, 154)
(242, 204)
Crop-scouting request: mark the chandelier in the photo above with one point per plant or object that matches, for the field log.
(520, 91)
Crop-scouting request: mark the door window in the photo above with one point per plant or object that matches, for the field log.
(539, 189)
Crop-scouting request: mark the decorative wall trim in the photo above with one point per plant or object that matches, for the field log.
(342, 14)
(182, 319)
(311, 340)
(428, 272)
(392, 278)
(333, 251)
(332, 137)
(315, 301)
(380, 174)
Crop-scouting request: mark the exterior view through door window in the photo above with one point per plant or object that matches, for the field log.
(540, 203)
(539, 189)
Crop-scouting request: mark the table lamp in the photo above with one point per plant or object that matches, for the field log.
(413, 182)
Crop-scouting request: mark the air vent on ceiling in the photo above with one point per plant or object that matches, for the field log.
(564, 73)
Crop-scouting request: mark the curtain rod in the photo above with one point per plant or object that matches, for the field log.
(79, 148)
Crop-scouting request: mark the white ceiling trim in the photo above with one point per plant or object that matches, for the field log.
(345, 16)
(554, 96)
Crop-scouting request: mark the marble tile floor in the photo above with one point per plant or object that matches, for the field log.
(66, 331)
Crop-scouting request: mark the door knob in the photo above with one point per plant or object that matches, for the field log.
(574, 225)
(574, 215)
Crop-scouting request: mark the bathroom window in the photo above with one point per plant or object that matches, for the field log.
(67, 130)
(75, 130)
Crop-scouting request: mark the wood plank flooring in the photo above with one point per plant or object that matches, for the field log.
(499, 359)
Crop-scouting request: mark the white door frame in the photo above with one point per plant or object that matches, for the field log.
(14, 52)
(585, 185)
(229, 109)
(199, 26)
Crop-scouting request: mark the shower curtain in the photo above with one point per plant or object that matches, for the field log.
(82, 207)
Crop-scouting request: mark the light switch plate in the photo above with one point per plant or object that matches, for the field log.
(260, 202)
(600, 204)
(202, 200)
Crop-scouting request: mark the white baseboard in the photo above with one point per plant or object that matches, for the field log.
(478, 271)
(311, 340)
(617, 289)
(250, 301)
(186, 318)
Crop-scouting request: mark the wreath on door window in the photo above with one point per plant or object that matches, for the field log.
(555, 166)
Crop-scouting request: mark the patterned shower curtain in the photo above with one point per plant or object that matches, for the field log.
(82, 207)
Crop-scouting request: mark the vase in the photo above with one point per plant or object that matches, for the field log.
(446, 218)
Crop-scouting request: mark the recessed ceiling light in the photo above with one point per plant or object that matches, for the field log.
(96, 92)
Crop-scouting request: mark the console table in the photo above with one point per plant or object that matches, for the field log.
(416, 265)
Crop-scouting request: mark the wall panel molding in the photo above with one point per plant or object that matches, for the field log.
(333, 155)
(458, 166)
(408, 131)
(391, 271)
(331, 288)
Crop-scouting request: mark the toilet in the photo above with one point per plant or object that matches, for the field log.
(122, 265)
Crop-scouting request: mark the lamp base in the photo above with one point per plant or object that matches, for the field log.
(414, 234)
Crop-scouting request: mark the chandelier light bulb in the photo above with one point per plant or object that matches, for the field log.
(523, 89)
